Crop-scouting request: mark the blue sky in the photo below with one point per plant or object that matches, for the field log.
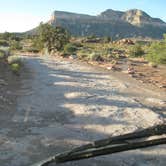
(22, 15)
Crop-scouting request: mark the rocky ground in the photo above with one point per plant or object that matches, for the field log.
(59, 104)
(142, 71)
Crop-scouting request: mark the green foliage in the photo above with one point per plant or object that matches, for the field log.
(54, 39)
(2, 54)
(157, 53)
(70, 48)
(78, 44)
(5, 36)
(164, 36)
(15, 45)
(14, 59)
(94, 56)
(83, 53)
(136, 51)
(31, 49)
(4, 43)
(11, 36)
(91, 37)
(15, 67)
(107, 39)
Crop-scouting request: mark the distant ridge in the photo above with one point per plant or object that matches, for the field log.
(117, 24)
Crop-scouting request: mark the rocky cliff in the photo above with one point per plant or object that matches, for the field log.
(117, 24)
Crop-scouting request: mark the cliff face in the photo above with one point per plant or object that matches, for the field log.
(117, 24)
(138, 18)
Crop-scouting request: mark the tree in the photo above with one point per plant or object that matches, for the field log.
(70, 48)
(53, 39)
(15, 45)
(136, 51)
(157, 53)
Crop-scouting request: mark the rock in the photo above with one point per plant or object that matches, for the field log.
(156, 101)
(109, 67)
(131, 70)
(73, 57)
(125, 41)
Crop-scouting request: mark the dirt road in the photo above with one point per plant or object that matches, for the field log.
(62, 104)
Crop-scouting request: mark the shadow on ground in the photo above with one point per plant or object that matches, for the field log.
(63, 105)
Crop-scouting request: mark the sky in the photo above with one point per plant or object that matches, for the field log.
(23, 15)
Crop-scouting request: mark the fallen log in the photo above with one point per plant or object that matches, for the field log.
(115, 144)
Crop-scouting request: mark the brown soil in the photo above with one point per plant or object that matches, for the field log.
(143, 72)
(150, 75)
(10, 84)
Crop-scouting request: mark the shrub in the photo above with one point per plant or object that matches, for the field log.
(15, 67)
(31, 49)
(52, 38)
(70, 48)
(157, 53)
(15, 45)
(14, 59)
(4, 43)
(2, 54)
(94, 56)
(136, 51)
(77, 44)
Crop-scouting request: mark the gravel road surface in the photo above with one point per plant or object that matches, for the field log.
(62, 104)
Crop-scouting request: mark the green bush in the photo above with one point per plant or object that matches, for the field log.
(136, 51)
(70, 48)
(94, 56)
(157, 53)
(2, 54)
(15, 67)
(15, 45)
(4, 43)
(14, 59)
(77, 44)
(52, 38)
(32, 49)
(84, 53)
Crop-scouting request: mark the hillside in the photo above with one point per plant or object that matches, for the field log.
(117, 24)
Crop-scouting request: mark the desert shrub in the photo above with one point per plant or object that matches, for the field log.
(77, 44)
(15, 45)
(70, 48)
(82, 55)
(94, 56)
(2, 54)
(14, 59)
(31, 49)
(107, 39)
(4, 43)
(15, 67)
(136, 51)
(157, 53)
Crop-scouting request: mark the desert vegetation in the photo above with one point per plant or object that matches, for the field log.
(50, 38)
(102, 51)
(11, 62)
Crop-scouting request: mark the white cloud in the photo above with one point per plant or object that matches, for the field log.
(13, 22)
